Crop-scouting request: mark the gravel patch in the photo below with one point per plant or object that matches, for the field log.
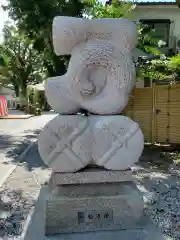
(161, 193)
(17, 196)
(158, 181)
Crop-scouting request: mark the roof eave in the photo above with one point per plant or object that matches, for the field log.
(156, 3)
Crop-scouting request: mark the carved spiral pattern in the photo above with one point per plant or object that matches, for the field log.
(101, 77)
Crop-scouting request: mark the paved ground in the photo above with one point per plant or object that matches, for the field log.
(15, 136)
(17, 126)
(157, 175)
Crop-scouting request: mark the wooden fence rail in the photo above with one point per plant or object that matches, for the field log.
(157, 110)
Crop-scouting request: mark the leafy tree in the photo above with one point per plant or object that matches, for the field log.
(114, 9)
(2, 61)
(146, 41)
(174, 67)
(118, 9)
(155, 69)
(35, 18)
(22, 65)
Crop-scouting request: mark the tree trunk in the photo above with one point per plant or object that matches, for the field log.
(24, 97)
(16, 89)
(59, 63)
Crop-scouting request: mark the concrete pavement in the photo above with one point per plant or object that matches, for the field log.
(15, 137)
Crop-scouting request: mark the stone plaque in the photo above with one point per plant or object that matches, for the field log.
(101, 216)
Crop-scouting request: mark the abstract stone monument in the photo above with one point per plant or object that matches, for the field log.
(101, 73)
(100, 77)
(91, 186)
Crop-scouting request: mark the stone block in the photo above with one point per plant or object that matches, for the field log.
(91, 175)
(92, 207)
(35, 226)
(69, 143)
(148, 232)
(68, 32)
(100, 66)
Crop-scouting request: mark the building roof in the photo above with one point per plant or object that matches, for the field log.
(156, 2)
(148, 2)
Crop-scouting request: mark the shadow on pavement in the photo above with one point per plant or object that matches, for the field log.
(13, 147)
(33, 160)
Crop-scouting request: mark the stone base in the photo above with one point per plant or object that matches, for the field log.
(92, 207)
(148, 232)
(92, 199)
(91, 175)
(35, 228)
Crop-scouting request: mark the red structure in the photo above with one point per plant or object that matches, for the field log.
(3, 107)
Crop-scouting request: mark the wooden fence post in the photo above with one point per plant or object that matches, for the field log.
(153, 126)
(168, 113)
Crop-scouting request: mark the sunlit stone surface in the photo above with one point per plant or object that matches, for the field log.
(82, 195)
(99, 79)
(69, 143)
(101, 73)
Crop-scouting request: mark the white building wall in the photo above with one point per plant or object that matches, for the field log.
(158, 12)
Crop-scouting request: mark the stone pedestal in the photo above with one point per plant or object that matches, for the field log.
(99, 79)
(90, 175)
(91, 200)
(85, 206)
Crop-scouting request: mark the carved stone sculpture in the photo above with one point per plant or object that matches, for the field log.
(101, 73)
(91, 186)
(99, 79)
(69, 143)
(69, 32)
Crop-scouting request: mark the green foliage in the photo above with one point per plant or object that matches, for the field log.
(159, 69)
(174, 62)
(174, 66)
(3, 69)
(154, 69)
(35, 18)
(146, 41)
(36, 101)
(22, 64)
(35, 15)
(3, 62)
(34, 106)
(117, 9)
